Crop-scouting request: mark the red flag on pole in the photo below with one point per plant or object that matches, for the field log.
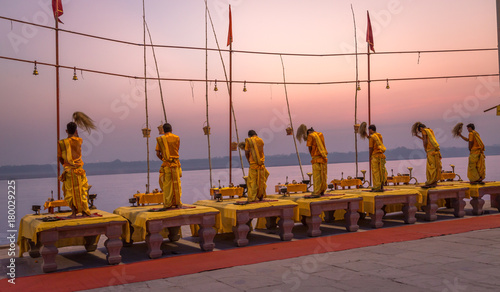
(58, 9)
(369, 33)
(230, 32)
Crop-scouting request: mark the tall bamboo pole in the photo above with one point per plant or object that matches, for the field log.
(355, 91)
(498, 32)
(57, 98)
(206, 91)
(290, 117)
(145, 88)
(369, 110)
(230, 109)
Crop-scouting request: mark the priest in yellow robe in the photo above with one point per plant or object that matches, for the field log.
(377, 149)
(74, 179)
(431, 146)
(257, 174)
(317, 149)
(476, 171)
(167, 150)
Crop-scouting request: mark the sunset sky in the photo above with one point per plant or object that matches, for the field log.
(28, 109)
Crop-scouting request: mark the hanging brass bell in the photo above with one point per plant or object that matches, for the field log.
(35, 71)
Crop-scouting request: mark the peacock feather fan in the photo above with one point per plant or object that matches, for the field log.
(457, 130)
(362, 131)
(414, 128)
(83, 121)
(302, 133)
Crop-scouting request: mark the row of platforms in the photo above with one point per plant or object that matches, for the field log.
(42, 235)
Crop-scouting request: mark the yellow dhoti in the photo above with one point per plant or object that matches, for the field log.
(477, 167)
(319, 178)
(433, 170)
(379, 172)
(75, 189)
(256, 182)
(170, 183)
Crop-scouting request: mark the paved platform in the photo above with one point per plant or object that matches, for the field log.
(460, 262)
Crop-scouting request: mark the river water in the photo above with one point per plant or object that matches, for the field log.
(114, 190)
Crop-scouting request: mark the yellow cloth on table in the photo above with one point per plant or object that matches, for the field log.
(138, 216)
(54, 204)
(30, 226)
(368, 205)
(473, 191)
(151, 198)
(228, 211)
(304, 205)
(441, 186)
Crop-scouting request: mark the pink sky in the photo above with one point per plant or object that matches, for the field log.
(27, 114)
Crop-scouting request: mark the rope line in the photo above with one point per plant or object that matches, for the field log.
(247, 52)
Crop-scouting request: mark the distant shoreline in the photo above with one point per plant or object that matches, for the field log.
(126, 167)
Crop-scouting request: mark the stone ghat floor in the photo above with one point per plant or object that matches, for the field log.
(461, 262)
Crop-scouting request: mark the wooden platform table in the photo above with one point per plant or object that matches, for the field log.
(311, 210)
(431, 196)
(476, 192)
(374, 202)
(44, 238)
(237, 218)
(152, 227)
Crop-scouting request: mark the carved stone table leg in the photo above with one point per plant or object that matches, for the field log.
(313, 225)
(459, 205)
(409, 210)
(207, 233)
(351, 217)
(34, 249)
(477, 206)
(431, 208)
(113, 244)
(174, 233)
(376, 221)
(49, 250)
(286, 224)
(154, 239)
(241, 229)
(90, 243)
